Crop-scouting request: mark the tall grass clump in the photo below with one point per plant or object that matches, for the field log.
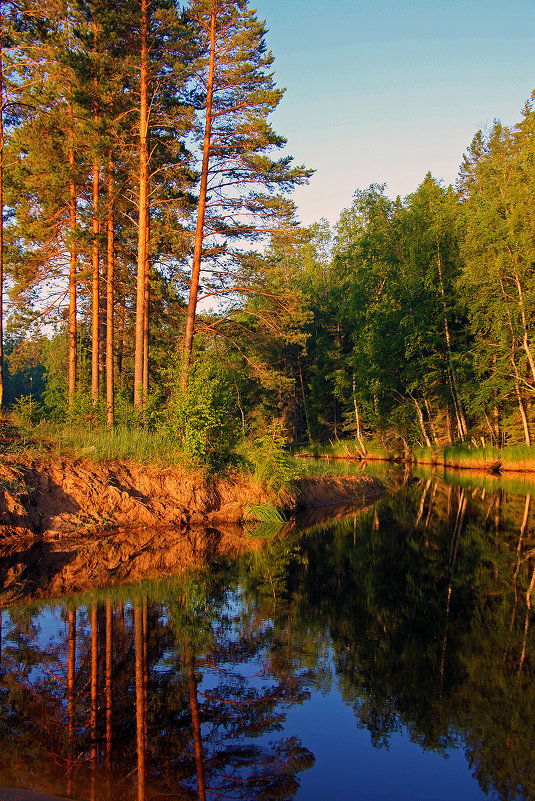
(518, 457)
(466, 456)
(350, 449)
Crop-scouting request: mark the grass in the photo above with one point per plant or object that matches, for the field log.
(465, 456)
(462, 456)
(349, 449)
(518, 457)
(98, 444)
(267, 460)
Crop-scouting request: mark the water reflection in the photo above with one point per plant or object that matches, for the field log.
(416, 614)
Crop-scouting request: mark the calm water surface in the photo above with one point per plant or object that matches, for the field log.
(387, 655)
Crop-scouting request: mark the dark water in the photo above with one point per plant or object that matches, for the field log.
(388, 655)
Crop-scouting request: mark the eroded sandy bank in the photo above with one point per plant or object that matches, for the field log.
(53, 497)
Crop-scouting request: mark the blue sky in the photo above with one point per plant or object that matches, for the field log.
(385, 90)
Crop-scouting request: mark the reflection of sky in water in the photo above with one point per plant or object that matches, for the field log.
(348, 766)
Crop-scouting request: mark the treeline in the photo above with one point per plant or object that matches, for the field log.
(423, 309)
(139, 182)
(135, 139)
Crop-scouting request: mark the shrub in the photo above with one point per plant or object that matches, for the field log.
(27, 411)
(204, 417)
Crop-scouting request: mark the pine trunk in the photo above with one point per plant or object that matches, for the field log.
(72, 266)
(109, 301)
(143, 211)
(201, 208)
(146, 301)
(95, 289)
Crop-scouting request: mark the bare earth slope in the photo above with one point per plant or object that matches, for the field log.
(60, 496)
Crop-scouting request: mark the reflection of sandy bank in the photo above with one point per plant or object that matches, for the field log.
(57, 566)
(321, 515)
(322, 490)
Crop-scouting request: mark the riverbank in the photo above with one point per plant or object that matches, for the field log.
(466, 456)
(57, 496)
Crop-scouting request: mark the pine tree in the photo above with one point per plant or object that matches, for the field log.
(238, 175)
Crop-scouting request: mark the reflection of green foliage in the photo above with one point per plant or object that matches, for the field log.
(419, 614)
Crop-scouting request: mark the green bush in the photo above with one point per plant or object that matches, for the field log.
(27, 411)
(204, 418)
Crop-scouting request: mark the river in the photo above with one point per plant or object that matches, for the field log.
(386, 654)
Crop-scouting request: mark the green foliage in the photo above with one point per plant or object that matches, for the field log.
(270, 459)
(26, 411)
(203, 419)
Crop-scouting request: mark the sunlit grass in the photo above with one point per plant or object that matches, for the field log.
(348, 449)
(512, 457)
(518, 457)
(99, 444)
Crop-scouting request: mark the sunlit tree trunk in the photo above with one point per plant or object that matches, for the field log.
(430, 418)
(72, 264)
(140, 702)
(95, 304)
(521, 407)
(452, 373)
(420, 416)
(358, 428)
(143, 210)
(109, 301)
(525, 333)
(146, 304)
(201, 209)
(195, 722)
(120, 333)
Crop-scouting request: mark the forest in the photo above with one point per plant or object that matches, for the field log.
(155, 275)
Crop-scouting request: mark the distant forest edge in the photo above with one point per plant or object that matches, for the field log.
(156, 275)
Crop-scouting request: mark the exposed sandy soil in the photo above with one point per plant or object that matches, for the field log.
(54, 497)
(69, 524)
